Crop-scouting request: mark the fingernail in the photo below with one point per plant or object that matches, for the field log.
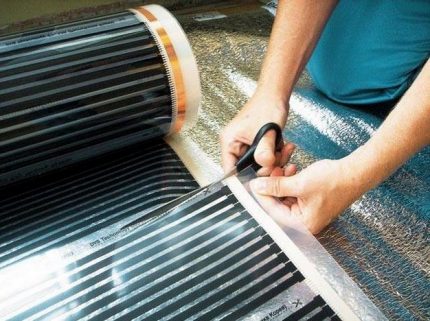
(259, 184)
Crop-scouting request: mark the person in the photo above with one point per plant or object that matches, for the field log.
(361, 53)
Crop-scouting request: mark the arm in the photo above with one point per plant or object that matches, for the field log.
(296, 30)
(405, 132)
(322, 191)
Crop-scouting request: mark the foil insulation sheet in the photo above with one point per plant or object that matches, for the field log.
(77, 90)
(206, 259)
(382, 241)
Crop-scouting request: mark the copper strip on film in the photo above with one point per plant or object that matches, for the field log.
(174, 63)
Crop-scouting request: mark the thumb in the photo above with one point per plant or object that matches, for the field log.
(276, 186)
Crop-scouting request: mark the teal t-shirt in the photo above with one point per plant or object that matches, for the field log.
(371, 50)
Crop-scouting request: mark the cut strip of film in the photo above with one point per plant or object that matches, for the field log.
(207, 259)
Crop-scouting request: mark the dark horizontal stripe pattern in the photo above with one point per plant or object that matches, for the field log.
(206, 259)
(52, 211)
(78, 90)
(315, 310)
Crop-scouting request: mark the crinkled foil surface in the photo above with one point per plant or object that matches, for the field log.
(382, 241)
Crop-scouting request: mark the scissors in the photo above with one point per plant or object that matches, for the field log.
(248, 159)
(244, 161)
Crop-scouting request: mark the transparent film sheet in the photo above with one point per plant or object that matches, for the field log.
(204, 256)
(323, 274)
(79, 209)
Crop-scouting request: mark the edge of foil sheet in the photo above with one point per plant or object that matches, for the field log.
(178, 59)
(323, 274)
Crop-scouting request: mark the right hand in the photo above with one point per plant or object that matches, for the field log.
(315, 196)
(238, 135)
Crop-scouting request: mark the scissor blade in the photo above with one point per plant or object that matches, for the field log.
(230, 173)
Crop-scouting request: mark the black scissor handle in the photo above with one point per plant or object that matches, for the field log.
(248, 158)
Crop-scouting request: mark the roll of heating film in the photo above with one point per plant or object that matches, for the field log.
(77, 90)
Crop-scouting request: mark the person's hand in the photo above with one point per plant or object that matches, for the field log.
(316, 195)
(238, 135)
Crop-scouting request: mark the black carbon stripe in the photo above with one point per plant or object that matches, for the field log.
(80, 129)
(94, 168)
(285, 270)
(81, 73)
(59, 33)
(66, 218)
(316, 303)
(325, 312)
(118, 134)
(81, 64)
(89, 178)
(217, 270)
(267, 296)
(122, 42)
(224, 292)
(82, 227)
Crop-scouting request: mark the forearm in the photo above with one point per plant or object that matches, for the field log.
(405, 132)
(296, 30)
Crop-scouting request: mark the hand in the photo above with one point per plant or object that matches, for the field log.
(239, 134)
(316, 195)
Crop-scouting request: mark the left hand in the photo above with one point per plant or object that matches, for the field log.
(316, 195)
